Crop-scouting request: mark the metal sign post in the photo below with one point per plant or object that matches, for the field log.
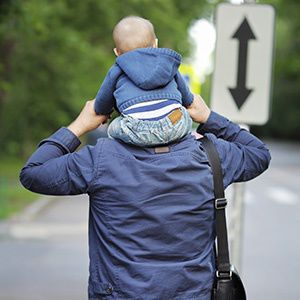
(241, 87)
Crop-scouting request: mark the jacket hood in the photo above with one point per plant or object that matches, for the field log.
(150, 68)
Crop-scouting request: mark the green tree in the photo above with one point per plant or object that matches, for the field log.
(285, 116)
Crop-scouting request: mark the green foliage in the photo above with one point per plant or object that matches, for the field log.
(285, 117)
(13, 197)
(45, 74)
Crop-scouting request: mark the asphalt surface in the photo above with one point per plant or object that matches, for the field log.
(45, 256)
(271, 248)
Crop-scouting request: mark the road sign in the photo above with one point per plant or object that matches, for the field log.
(241, 88)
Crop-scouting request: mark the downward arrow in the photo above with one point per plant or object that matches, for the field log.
(243, 34)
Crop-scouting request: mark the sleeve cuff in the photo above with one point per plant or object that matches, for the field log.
(214, 124)
(65, 138)
(190, 99)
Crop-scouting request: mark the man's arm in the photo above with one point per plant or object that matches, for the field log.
(243, 156)
(54, 168)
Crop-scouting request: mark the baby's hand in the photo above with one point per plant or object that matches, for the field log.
(198, 110)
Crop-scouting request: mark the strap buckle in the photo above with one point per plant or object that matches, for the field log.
(224, 275)
(220, 203)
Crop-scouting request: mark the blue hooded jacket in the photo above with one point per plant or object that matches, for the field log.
(141, 75)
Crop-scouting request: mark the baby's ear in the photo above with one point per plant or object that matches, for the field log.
(155, 43)
(116, 51)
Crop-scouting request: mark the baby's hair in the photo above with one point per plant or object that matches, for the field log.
(133, 32)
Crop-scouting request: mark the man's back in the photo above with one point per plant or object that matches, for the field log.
(151, 226)
(151, 218)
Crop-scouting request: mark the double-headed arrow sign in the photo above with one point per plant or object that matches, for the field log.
(243, 34)
(241, 84)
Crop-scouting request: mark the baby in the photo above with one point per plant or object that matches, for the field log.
(146, 87)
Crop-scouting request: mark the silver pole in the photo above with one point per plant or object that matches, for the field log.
(236, 223)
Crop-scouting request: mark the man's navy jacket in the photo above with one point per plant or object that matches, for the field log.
(151, 219)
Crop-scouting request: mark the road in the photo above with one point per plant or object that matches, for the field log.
(271, 248)
(46, 258)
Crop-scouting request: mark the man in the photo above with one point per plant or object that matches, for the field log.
(151, 222)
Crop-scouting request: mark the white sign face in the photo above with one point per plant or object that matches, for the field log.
(241, 87)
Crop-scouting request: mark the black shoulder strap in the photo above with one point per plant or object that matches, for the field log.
(223, 262)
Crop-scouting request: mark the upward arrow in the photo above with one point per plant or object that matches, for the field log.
(243, 34)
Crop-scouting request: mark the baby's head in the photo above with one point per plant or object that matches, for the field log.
(133, 32)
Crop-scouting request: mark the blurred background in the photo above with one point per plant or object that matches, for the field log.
(53, 57)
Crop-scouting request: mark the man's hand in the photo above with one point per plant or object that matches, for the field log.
(198, 110)
(87, 120)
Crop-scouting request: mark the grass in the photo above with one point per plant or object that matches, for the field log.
(13, 197)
